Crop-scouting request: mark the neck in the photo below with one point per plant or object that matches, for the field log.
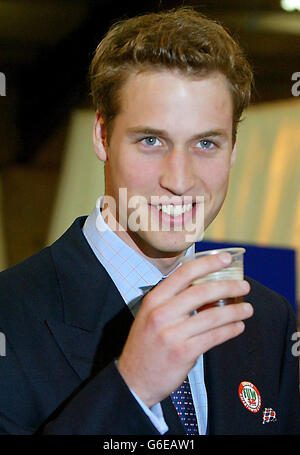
(164, 261)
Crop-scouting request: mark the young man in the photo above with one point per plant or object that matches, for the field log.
(169, 90)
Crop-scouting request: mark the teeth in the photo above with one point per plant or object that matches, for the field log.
(175, 210)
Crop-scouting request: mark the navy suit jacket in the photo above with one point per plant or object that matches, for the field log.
(65, 323)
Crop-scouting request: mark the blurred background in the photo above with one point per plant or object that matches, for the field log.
(48, 172)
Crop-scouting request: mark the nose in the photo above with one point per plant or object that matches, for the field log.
(177, 172)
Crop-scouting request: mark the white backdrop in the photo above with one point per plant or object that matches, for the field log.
(82, 175)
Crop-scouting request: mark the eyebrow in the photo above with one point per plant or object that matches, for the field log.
(163, 133)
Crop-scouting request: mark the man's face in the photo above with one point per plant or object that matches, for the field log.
(172, 138)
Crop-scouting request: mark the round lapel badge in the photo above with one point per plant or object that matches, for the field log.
(250, 396)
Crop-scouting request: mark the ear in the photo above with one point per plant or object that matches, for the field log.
(100, 137)
(233, 154)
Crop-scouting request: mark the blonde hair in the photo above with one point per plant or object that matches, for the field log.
(181, 39)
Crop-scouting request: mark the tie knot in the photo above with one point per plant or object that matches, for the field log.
(136, 303)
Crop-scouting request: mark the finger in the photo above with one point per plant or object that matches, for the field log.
(202, 343)
(182, 277)
(213, 318)
(188, 350)
(205, 321)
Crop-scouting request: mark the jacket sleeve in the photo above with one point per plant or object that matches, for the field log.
(104, 406)
(15, 404)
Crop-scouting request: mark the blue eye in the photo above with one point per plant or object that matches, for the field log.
(151, 140)
(206, 144)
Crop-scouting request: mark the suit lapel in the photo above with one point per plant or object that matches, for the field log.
(77, 345)
(226, 366)
(96, 321)
(88, 351)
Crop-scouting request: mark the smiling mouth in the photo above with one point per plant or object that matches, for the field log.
(175, 210)
(175, 214)
(178, 217)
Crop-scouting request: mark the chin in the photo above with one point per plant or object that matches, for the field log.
(165, 244)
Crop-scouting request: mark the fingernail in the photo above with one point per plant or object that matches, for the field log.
(244, 285)
(248, 308)
(225, 258)
(240, 325)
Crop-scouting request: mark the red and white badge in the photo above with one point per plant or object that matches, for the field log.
(250, 396)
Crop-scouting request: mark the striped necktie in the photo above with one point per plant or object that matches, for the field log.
(182, 396)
